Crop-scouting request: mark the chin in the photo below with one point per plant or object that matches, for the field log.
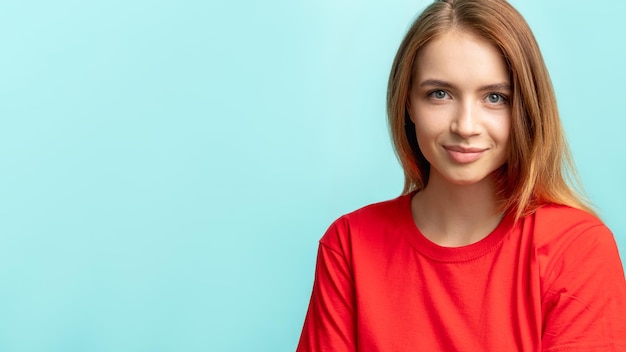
(467, 180)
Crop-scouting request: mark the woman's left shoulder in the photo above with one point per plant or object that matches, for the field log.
(559, 218)
(565, 214)
(562, 225)
(583, 292)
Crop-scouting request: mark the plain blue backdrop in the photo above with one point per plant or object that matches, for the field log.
(167, 167)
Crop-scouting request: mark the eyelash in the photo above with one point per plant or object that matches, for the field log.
(503, 98)
(431, 94)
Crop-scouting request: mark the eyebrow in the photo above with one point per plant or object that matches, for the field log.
(439, 83)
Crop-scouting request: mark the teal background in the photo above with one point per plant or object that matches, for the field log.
(167, 167)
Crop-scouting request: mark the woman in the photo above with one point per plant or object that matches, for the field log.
(488, 248)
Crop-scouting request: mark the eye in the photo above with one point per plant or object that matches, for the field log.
(438, 94)
(496, 98)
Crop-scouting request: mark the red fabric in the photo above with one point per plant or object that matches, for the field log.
(551, 282)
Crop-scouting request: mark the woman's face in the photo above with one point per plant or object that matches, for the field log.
(460, 105)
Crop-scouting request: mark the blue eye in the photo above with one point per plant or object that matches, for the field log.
(438, 94)
(495, 98)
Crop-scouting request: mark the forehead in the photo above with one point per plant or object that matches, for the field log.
(461, 57)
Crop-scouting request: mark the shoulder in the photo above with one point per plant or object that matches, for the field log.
(583, 292)
(565, 213)
(571, 240)
(377, 213)
(555, 223)
(368, 223)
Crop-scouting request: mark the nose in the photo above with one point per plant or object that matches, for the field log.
(465, 122)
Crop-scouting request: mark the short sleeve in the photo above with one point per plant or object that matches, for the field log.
(330, 320)
(584, 302)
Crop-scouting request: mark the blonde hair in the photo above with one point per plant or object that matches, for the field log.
(539, 169)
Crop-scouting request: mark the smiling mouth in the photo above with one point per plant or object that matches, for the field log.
(464, 155)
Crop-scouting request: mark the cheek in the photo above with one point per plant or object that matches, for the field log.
(428, 130)
(503, 130)
(499, 128)
(428, 121)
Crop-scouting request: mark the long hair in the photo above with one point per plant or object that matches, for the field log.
(539, 168)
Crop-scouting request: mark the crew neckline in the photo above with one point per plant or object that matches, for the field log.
(450, 254)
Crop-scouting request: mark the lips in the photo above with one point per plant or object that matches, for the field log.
(464, 155)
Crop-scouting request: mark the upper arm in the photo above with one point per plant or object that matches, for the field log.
(330, 320)
(584, 302)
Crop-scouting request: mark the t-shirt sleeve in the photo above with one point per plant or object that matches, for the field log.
(330, 320)
(584, 299)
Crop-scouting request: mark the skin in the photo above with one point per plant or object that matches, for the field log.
(459, 103)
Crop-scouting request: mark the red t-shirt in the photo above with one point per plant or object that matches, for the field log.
(553, 281)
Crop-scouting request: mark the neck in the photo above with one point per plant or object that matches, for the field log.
(454, 215)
